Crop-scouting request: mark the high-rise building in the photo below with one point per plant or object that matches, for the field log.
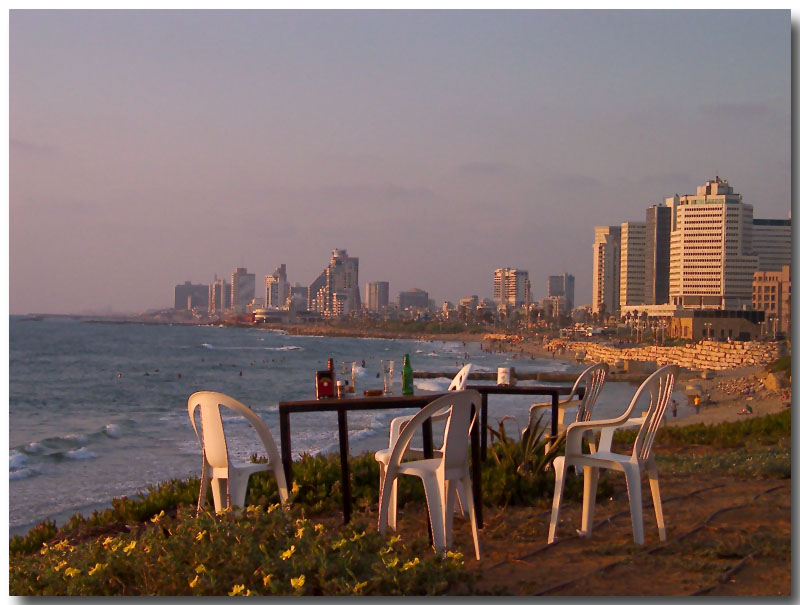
(299, 296)
(711, 258)
(413, 298)
(377, 295)
(605, 269)
(772, 293)
(219, 296)
(562, 285)
(511, 286)
(243, 289)
(276, 289)
(632, 263)
(340, 277)
(772, 242)
(191, 296)
(656, 254)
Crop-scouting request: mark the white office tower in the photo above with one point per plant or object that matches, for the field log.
(632, 263)
(711, 258)
(510, 286)
(605, 269)
(772, 242)
(276, 289)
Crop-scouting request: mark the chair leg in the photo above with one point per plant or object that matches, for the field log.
(383, 502)
(590, 475)
(203, 487)
(434, 498)
(470, 510)
(237, 486)
(392, 513)
(220, 495)
(451, 492)
(652, 475)
(558, 492)
(634, 481)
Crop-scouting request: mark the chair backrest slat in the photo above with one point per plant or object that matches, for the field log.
(658, 389)
(459, 382)
(592, 379)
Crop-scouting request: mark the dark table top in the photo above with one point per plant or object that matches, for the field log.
(360, 402)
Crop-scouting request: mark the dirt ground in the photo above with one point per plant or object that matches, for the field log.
(725, 536)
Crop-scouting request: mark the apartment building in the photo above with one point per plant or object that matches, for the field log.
(658, 228)
(772, 294)
(632, 263)
(377, 296)
(339, 278)
(243, 289)
(605, 268)
(511, 287)
(772, 242)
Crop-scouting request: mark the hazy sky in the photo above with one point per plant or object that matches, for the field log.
(150, 148)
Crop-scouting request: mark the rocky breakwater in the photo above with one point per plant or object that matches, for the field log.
(705, 355)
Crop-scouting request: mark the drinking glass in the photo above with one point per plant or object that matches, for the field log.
(387, 369)
(353, 372)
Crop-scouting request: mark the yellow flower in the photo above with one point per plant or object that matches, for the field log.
(295, 487)
(129, 547)
(155, 518)
(60, 565)
(72, 572)
(108, 541)
(200, 569)
(319, 527)
(409, 564)
(253, 508)
(359, 587)
(97, 568)
(194, 582)
(287, 553)
(200, 535)
(357, 537)
(44, 549)
(298, 582)
(61, 545)
(392, 562)
(299, 532)
(237, 590)
(267, 579)
(339, 543)
(272, 507)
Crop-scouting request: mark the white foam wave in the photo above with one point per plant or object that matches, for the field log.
(34, 447)
(432, 384)
(113, 431)
(206, 345)
(20, 474)
(77, 438)
(80, 454)
(16, 460)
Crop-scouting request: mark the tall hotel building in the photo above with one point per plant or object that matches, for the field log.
(511, 286)
(772, 241)
(658, 225)
(219, 296)
(711, 258)
(335, 292)
(377, 296)
(605, 268)
(243, 289)
(632, 263)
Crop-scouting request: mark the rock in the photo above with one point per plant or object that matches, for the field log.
(776, 382)
(708, 374)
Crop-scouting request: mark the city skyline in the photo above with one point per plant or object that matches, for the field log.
(152, 148)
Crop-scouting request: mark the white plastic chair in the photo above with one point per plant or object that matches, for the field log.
(458, 383)
(217, 466)
(658, 389)
(442, 476)
(592, 379)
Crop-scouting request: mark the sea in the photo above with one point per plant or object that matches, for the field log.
(98, 408)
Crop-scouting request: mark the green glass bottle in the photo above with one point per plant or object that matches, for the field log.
(407, 376)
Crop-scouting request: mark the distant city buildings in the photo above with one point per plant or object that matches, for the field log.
(276, 289)
(562, 285)
(772, 294)
(605, 269)
(243, 289)
(658, 227)
(219, 296)
(377, 295)
(772, 241)
(190, 296)
(412, 299)
(631, 264)
(335, 292)
(511, 287)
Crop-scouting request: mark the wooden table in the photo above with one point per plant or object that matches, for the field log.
(341, 407)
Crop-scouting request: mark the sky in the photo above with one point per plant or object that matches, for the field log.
(150, 148)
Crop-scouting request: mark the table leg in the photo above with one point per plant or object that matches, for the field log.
(427, 451)
(286, 447)
(344, 451)
(484, 423)
(477, 494)
(554, 419)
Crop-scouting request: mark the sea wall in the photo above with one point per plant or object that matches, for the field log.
(705, 355)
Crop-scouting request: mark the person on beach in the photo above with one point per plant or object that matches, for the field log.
(697, 404)
(674, 406)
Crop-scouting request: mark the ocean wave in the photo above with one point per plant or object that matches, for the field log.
(113, 431)
(16, 460)
(34, 447)
(80, 454)
(281, 348)
(21, 474)
(78, 438)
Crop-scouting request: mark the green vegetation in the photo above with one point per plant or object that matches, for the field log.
(155, 544)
